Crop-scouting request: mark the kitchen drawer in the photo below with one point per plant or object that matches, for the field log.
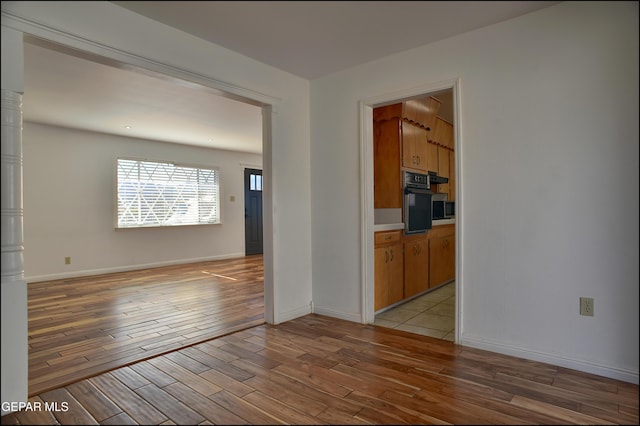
(441, 231)
(388, 237)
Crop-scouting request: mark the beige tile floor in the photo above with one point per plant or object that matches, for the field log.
(431, 314)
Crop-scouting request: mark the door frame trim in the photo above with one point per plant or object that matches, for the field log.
(366, 193)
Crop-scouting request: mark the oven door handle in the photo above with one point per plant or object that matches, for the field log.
(409, 190)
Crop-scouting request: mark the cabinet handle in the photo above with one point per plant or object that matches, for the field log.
(391, 259)
(386, 256)
(387, 237)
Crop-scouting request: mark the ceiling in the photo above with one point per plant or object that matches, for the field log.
(309, 39)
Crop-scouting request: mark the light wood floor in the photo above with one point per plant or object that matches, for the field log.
(81, 327)
(319, 370)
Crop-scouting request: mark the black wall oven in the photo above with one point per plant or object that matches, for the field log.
(417, 203)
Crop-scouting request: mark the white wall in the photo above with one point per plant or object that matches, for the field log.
(70, 203)
(548, 206)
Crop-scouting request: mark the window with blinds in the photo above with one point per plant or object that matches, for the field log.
(164, 194)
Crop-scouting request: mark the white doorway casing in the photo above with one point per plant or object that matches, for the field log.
(366, 190)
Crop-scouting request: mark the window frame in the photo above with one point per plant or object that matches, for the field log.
(184, 165)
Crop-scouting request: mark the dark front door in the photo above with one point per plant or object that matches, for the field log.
(253, 211)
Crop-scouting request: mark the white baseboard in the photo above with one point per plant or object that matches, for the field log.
(127, 268)
(353, 317)
(294, 313)
(625, 375)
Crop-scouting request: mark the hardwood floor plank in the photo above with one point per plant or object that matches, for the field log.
(183, 375)
(204, 406)
(375, 410)
(225, 382)
(563, 414)
(249, 412)
(131, 403)
(119, 420)
(171, 407)
(282, 412)
(130, 378)
(67, 411)
(95, 402)
(153, 374)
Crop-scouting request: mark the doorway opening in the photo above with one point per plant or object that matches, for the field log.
(423, 300)
(225, 270)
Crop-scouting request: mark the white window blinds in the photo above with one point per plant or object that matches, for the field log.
(164, 194)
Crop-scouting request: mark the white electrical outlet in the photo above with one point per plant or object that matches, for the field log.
(586, 306)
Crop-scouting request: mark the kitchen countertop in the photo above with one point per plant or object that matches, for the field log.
(395, 226)
(438, 222)
(388, 226)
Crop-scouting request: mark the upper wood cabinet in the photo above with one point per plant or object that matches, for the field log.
(387, 162)
(443, 168)
(442, 133)
(414, 147)
(422, 112)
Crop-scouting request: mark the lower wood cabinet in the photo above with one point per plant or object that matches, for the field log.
(442, 258)
(407, 265)
(389, 269)
(416, 266)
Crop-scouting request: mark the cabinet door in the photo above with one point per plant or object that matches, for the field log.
(381, 278)
(416, 267)
(396, 274)
(414, 147)
(448, 140)
(439, 133)
(443, 168)
(387, 184)
(432, 158)
(443, 133)
(441, 260)
(428, 113)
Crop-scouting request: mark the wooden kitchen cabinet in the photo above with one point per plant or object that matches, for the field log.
(398, 144)
(416, 265)
(387, 162)
(400, 134)
(432, 157)
(414, 147)
(442, 133)
(422, 112)
(389, 269)
(442, 255)
(443, 168)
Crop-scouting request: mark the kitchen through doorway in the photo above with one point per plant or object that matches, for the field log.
(415, 273)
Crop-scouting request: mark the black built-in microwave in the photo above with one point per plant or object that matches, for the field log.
(441, 208)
